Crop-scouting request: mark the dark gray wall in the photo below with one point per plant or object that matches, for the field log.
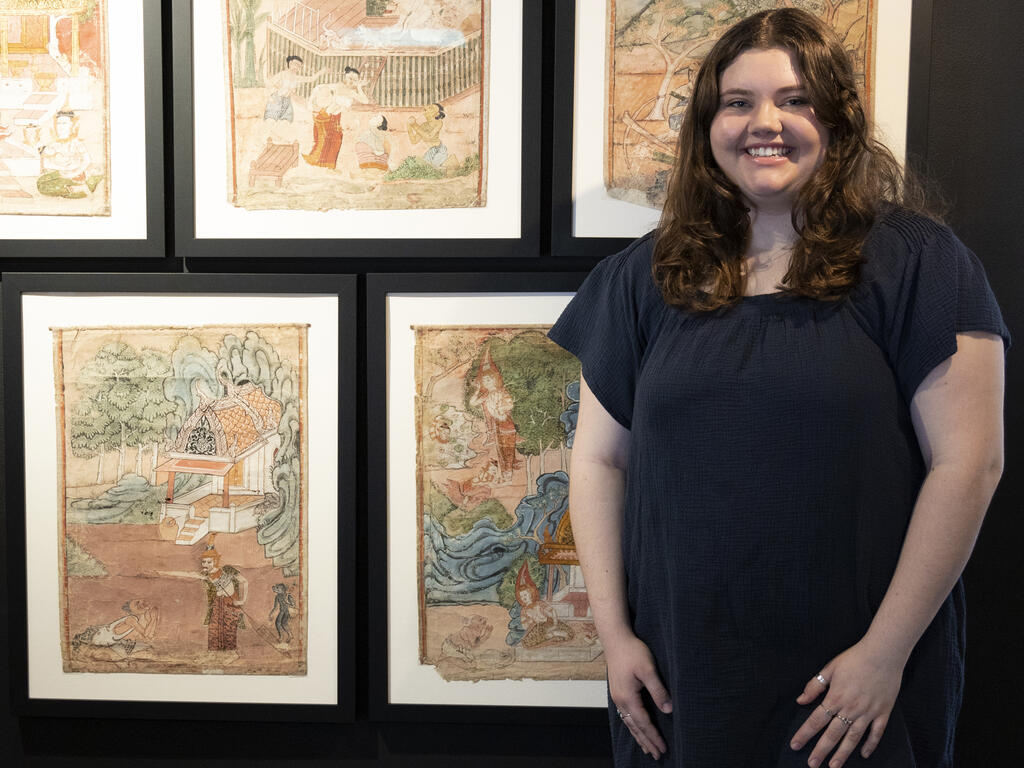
(975, 148)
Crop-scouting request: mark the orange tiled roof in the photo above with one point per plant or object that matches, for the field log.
(269, 410)
(239, 430)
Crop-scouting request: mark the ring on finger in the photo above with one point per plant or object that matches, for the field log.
(828, 711)
(821, 679)
(844, 720)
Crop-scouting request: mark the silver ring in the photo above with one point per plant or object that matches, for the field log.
(623, 715)
(844, 720)
(828, 711)
(821, 679)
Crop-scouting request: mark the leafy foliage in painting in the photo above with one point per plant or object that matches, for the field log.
(54, 115)
(655, 50)
(501, 592)
(357, 104)
(182, 480)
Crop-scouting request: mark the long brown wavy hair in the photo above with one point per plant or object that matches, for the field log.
(705, 226)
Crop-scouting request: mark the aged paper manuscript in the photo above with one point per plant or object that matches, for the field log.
(54, 108)
(501, 594)
(357, 104)
(655, 48)
(182, 474)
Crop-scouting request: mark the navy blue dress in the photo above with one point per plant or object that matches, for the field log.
(773, 468)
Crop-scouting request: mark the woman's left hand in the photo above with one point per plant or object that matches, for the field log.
(861, 691)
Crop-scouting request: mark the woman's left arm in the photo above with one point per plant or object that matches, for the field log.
(958, 417)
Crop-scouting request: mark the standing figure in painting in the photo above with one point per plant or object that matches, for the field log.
(283, 87)
(226, 593)
(536, 616)
(284, 605)
(373, 148)
(125, 634)
(496, 403)
(327, 102)
(429, 132)
(65, 161)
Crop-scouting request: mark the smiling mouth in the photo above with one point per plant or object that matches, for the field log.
(768, 151)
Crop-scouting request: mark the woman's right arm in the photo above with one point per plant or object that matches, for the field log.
(596, 493)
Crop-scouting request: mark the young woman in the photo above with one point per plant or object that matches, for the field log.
(790, 428)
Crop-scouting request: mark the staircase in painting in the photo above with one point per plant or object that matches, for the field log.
(194, 529)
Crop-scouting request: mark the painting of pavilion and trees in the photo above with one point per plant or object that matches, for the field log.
(654, 50)
(54, 108)
(501, 593)
(182, 479)
(357, 104)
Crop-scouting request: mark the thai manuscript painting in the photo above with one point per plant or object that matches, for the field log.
(655, 48)
(54, 113)
(357, 104)
(501, 594)
(182, 472)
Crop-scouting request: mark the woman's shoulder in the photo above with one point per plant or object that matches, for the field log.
(632, 263)
(906, 229)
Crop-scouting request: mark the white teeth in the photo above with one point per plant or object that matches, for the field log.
(768, 151)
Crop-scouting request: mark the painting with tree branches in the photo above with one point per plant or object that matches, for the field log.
(182, 487)
(501, 594)
(655, 48)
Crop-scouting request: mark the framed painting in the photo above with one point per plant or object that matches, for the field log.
(180, 494)
(625, 69)
(81, 129)
(344, 127)
(482, 612)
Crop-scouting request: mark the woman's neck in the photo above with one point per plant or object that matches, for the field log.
(767, 258)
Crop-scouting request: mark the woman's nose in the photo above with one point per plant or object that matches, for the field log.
(765, 118)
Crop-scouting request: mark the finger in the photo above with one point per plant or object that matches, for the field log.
(634, 716)
(641, 738)
(815, 687)
(874, 735)
(657, 689)
(827, 742)
(818, 719)
(849, 743)
(631, 721)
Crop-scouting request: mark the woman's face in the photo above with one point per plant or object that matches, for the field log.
(765, 136)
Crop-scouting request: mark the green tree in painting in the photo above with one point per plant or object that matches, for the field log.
(535, 372)
(121, 404)
(254, 359)
(245, 18)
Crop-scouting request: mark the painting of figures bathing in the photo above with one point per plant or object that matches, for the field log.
(501, 594)
(54, 116)
(357, 104)
(182, 476)
(655, 48)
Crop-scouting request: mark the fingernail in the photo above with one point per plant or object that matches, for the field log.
(666, 707)
(795, 745)
(813, 762)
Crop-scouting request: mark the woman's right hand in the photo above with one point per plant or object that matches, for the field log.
(630, 670)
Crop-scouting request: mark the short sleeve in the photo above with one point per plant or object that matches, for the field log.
(606, 326)
(927, 287)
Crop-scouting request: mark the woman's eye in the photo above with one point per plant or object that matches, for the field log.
(735, 103)
(797, 101)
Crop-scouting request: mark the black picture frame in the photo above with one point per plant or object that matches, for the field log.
(17, 285)
(378, 288)
(565, 243)
(188, 245)
(152, 103)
